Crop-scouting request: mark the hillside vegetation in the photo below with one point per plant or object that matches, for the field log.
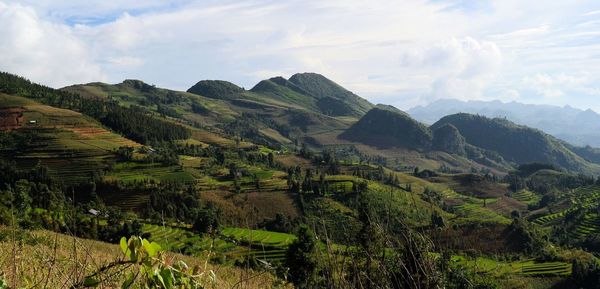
(294, 183)
(515, 143)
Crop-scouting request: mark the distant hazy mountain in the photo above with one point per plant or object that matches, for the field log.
(579, 127)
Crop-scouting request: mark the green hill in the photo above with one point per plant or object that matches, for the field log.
(217, 89)
(515, 143)
(385, 127)
(447, 138)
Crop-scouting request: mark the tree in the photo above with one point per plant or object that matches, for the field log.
(256, 181)
(207, 221)
(437, 220)
(271, 160)
(301, 259)
(125, 153)
(22, 200)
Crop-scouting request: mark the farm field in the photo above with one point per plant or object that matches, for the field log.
(525, 267)
(468, 208)
(232, 243)
(74, 147)
(137, 171)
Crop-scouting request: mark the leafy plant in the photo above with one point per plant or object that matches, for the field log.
(146, 267)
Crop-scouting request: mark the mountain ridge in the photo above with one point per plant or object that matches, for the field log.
(576, 126)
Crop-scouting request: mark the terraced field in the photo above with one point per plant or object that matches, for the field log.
(182, 240)
(589, 225)
(74, 147)
(526, 197)
(131, 172)
(469, 208)
(525, 267)
(234, 243)
(266, 238)
(400, 202)
(551, 217)
(172, 239)
(585, 197)
(545, 269)
(264, 245)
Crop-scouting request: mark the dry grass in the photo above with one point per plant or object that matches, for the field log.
(45, 259)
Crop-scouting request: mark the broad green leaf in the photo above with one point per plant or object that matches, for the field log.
(152, 248)
(123, 244)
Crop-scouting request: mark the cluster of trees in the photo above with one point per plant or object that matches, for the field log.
(32, 199)
(173, 201)
(299, 182)
(140, 126)
(376, 174)
(168, 111)
(14, 141)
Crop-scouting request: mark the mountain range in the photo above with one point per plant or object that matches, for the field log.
(576, 126)
(310, 110)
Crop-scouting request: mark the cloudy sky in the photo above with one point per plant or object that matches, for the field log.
(402, 52)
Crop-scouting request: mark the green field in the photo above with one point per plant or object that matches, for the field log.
(232, 244)
(524, 267)
(134, 171)
(472, 209)
(526, 197)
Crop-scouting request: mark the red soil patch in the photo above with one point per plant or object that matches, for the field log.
(88, 131)
(11, 118)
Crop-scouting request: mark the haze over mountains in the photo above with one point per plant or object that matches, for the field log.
(576, 126)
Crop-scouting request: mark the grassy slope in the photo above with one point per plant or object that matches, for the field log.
(33, 256)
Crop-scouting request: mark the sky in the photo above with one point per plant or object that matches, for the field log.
(399, 52)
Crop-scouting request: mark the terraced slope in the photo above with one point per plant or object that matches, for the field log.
(233, 244)
(529, 268)
(589, 225)
(73, 146)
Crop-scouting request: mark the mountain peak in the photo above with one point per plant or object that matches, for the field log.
(218, 89)
(385, 126)
(321, 87)
(137, 84)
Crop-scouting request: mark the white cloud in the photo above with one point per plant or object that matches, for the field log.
(42, 51)
(458, 68)
(559, 86)
(419, 50)
(126, 61)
